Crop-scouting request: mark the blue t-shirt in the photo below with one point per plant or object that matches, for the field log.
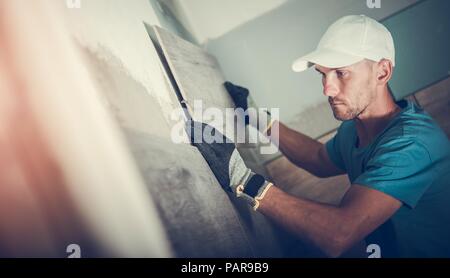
(410, 161)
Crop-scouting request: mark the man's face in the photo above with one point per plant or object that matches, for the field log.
(349, 89)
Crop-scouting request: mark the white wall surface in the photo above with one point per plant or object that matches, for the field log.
(83, 181)
(113, 31)
(210, 19)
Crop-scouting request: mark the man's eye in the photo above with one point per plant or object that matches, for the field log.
(341, 73)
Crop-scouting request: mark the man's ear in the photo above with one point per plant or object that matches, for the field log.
(384, 71)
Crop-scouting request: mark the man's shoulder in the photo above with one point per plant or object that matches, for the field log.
(420, 130)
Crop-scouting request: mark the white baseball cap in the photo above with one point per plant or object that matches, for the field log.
(349, 40)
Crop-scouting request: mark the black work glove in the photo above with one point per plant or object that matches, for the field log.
(226, 163)
(240, 96)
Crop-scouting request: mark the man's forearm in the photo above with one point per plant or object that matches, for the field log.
(321, 225)
(300, 149)
(333, 229)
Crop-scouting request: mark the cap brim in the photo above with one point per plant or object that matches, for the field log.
(326, 58)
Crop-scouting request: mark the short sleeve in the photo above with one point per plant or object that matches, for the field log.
(401, 169)
(334, 150)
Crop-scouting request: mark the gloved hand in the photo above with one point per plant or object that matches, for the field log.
(227, 164)
(240, 96)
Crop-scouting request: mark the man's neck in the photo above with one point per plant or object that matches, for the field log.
(375, 118)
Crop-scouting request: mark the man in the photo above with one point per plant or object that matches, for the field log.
(395, 155)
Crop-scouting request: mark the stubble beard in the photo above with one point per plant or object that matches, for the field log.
(343, 111)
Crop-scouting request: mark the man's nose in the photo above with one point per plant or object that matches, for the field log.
(329, 87)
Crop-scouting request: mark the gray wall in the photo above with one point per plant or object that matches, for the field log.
(422, 46)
